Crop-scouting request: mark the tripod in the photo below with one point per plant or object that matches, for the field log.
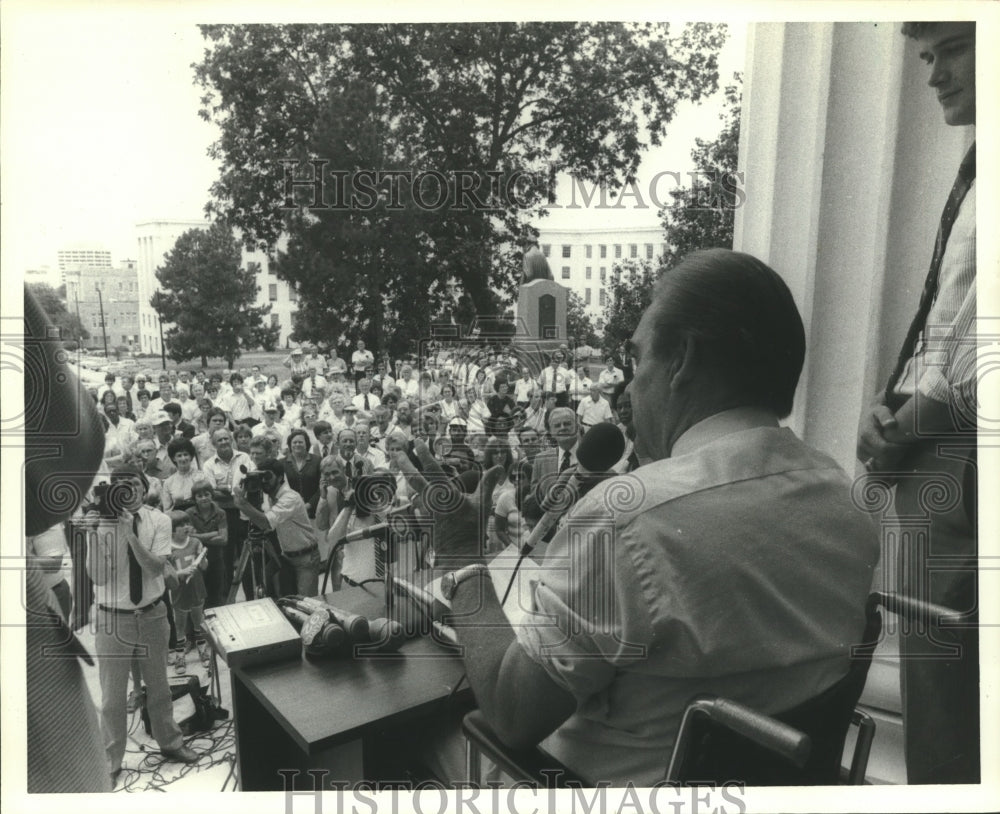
(256, 552)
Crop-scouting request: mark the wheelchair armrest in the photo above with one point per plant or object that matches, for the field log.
(917, 610)
(531, 765)
(763, 730)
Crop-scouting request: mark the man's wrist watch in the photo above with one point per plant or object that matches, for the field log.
(451, 580)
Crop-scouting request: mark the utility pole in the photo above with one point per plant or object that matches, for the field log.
(104, 333)
(79, 322)
(163, 348)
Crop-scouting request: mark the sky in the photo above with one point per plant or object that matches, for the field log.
(101, 131)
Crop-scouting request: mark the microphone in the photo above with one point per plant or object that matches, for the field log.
(601, 447)
(376, 529)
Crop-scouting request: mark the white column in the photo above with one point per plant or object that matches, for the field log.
(848, 163)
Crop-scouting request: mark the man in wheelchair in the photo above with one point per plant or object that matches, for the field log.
(732, 562)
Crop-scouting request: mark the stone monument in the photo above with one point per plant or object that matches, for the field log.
(541, 307)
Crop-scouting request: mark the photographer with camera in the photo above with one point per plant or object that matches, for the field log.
(128, 547)
(288, 518)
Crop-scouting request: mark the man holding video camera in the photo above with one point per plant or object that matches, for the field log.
(287, 516)
(127, 551)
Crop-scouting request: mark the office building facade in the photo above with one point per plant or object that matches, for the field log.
(583, 259)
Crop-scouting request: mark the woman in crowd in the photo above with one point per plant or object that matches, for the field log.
(189, 407)
(125, 407)
(302, 468)
(273, 389)
(448, 405)
(309, 418)
(395, 442)
(215, 419)
(621, 403)
(333, 489)
(501, 407)
(201, 418)
(497, 453)
(427, 391)
(480, 384)
(360, 508)
(291, 413)
(478, 411)
(109, 397)
(176, 493)
(509, 525)
(333, 412)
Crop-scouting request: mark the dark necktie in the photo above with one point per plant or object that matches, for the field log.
(326, 450)
(966, 175)
(565, 462)
(366, 402)
(134, 569)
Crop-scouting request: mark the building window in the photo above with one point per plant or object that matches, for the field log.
(633, 250)
(546, 249)
(293, 295)
(603, 297)
(600, 324)
(272, 292)
(565, 272)
(604, 274)
(567, 250)
(270, 269)
(274, 321)
(649, 251)
(618, 251)
(604, 251)
(590, 251)
(590, 272)
(586, 296)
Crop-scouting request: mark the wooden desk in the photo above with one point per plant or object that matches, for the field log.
(356, 717)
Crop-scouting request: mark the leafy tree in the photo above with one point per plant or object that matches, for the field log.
(482, 104)
(631, 287)
(54, 305)
(209, 298)
(701, 216)
(578, 322)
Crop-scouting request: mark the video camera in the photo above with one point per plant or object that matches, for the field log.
(254, 485)
(111, 498)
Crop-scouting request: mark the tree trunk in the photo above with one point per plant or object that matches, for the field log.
(375, 304)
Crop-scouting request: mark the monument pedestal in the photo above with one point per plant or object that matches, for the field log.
(541, 322)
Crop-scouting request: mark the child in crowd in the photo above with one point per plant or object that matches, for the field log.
(187, 589)
(211, 529)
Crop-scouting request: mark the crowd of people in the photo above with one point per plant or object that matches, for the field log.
(323, 434)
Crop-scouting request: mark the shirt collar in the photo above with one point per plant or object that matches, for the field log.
(721, 424)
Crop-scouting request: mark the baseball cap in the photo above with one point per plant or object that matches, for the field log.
(160, 417)
(270, 407)
(296, 351)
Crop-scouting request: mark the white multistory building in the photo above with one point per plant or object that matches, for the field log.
(582, 259)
